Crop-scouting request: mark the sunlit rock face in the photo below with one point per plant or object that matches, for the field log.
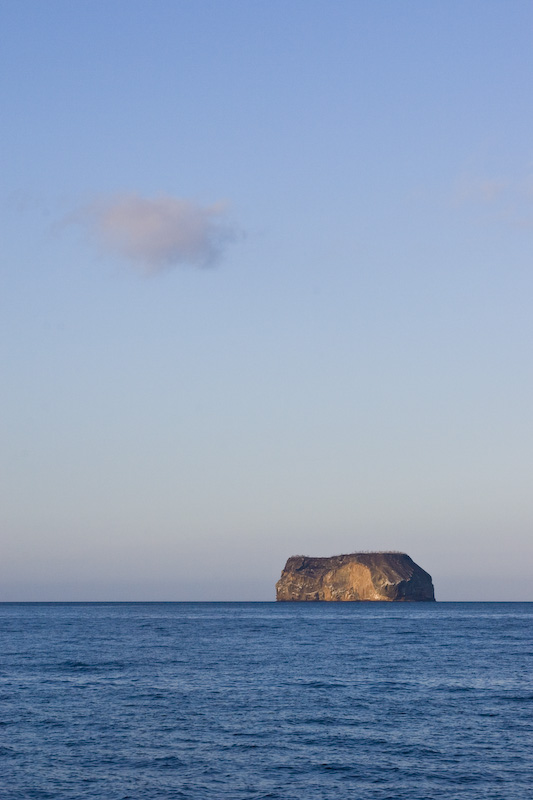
(359, 576)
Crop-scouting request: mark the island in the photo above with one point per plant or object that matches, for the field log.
(386, 576)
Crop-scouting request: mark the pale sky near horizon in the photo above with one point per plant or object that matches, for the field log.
(266, 289)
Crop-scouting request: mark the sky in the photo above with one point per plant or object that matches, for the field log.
(265, 290)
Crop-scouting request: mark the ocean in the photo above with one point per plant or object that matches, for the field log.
(249, 701)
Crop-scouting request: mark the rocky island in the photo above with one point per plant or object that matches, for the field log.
(358, 576)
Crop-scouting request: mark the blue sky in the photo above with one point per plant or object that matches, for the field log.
(265, 290)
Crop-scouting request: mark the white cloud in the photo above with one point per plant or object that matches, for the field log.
(157, 233)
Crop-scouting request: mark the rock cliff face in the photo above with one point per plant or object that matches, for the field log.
(359, 576)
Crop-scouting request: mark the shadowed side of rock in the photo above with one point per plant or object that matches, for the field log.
(358, 576)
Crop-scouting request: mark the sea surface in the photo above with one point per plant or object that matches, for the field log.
(245, 701)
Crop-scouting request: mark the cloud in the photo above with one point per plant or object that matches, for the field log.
(479, 190)
(157, 233)
(508, 201)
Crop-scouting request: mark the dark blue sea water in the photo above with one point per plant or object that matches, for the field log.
(297, 701)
